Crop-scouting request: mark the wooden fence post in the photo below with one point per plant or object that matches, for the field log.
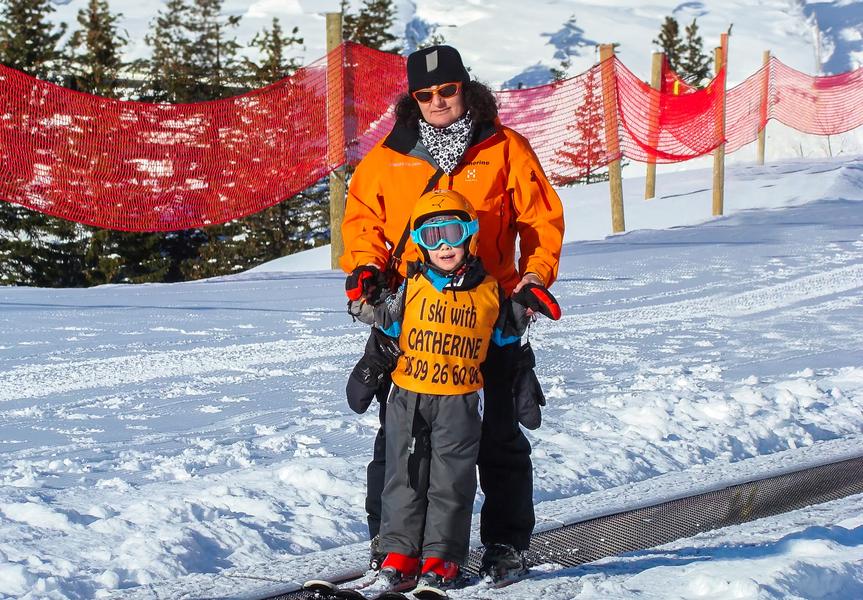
(612, 141)
(720, 60)
(765, 91)
(653, 132)
(336, 135)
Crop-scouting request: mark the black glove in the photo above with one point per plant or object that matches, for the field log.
(365, 282)
(372, 371)
(539, 299)
(526, 391)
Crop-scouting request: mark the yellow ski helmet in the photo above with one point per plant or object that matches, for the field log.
(445, 203)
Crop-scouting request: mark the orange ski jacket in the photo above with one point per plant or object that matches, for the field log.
(499, 174)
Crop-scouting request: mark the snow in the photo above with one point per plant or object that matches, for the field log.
(192, 440)
(166, 439)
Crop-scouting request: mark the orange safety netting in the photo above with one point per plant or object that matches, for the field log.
(151, 167)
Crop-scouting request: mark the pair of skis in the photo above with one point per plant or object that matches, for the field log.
(363, 588)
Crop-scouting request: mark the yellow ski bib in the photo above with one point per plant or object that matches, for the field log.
(445, 337)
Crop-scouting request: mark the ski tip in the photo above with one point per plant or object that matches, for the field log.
(319, 583)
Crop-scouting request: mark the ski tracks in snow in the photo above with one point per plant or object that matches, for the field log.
(33, 381)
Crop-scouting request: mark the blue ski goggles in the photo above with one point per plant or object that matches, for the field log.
(432, 236)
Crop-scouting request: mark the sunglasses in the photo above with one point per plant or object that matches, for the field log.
(444, 90)
(432, 236)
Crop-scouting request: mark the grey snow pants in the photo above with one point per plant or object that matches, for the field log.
(432, 444)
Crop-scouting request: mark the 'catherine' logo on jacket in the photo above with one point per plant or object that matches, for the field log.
(445, 337)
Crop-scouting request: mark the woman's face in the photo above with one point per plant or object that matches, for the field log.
(443, 112)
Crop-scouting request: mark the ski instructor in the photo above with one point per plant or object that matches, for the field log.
(448, 136)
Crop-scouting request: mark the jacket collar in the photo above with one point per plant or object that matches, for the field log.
(467, 277)
(403, 138)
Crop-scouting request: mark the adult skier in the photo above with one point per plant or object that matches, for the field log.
(448, 136)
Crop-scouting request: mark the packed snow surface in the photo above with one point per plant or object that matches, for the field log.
(192, 440)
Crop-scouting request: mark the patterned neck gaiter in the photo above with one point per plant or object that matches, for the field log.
(447, 144)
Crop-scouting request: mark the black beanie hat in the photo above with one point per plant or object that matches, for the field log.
(435, 65)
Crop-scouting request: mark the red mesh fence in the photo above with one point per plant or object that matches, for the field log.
(746, 110)
(376, 79)
(564, 122)
(668, 127)
(156, 167)
(818, 105)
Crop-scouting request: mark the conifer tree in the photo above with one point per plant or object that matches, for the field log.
(568, 41)
(295, 224)
(435, 39)
(277, 231)
(694, 64)
(561, 71)
(349, 21)
(213, 53)
(216, 73)
(272, 45)
(95, 62)
(169, 77)
(670, 42)
(95, 50)
(193, 56)
(36, 249)
(193, 59)
(371, 26)
(125, 257)
(28, 40)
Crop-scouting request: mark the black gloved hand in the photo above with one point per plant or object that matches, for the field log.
(372, 371)
(538, 299)
(526, 390)
(387, 348)
(364, 282)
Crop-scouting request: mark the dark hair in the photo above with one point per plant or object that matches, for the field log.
(478, 99)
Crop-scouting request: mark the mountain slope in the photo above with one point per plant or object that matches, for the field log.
(157, 432)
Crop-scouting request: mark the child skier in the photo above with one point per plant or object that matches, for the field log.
(444, 316)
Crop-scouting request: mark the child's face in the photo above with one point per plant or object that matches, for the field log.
(446, 257)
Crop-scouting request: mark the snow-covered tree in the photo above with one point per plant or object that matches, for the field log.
(273, 46)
